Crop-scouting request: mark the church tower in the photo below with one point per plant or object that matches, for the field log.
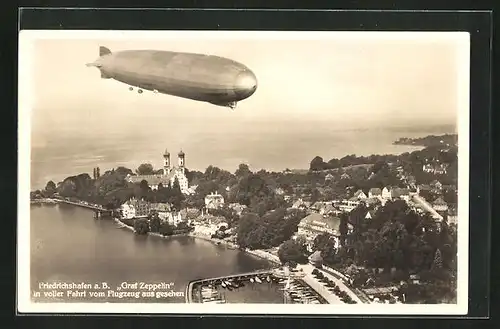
(166, 163)
(182, 159)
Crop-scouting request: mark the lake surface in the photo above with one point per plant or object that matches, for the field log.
(68, 245)
(65, 150)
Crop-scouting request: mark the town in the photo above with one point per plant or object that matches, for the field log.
(383, 226)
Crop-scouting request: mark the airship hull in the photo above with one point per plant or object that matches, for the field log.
(199, 77)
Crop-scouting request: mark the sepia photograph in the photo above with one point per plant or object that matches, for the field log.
(251, 172)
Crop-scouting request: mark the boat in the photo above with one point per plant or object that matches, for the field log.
(223, 284)
(258, 280)
(251, 280)
(268, 279)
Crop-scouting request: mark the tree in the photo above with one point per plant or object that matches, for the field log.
(242, 171)
(175, 196)
(343, 228)
(154, 222)
(325, 243)
(145, 169)
(144, 185)
(50, 188)
(317, 164)
(292, 252)
(141, 226)
(438, 261)
(166, 229)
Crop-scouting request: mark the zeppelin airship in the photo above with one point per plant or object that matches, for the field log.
(206, 78)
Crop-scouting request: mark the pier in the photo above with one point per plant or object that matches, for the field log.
(99, 211)
(240, 276)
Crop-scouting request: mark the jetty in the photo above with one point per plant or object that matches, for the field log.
(240, 276)
(99, 211)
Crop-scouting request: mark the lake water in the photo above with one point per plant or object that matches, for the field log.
(63, 151)
(68, 245)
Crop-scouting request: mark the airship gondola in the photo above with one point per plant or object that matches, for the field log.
(206, 78)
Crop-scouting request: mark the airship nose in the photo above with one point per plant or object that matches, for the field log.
(245, 84)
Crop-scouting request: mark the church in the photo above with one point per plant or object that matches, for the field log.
(168, 176)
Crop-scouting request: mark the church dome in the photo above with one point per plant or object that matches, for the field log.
(166, 152)
(181, 153)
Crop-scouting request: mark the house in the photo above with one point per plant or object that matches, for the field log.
(314, 224)
(374, 192)
(287, 171)
(301, 204)
(401, 193)
(328, 210)
(360, 195)
(371, 201)
(441, 169)
(345, 176)
(329, 177)
(438, 169)
(387, 193)
(214, 201)
(174, 218)
(423, 187)
(369, 214)
(317, 206)
(278, 191)
(428, 168)
(237, 208)
(415, 278)
(348, 205)
(135, 208)
(440, 205)
(162, 209)
(436, 184)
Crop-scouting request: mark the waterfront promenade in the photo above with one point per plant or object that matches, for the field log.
(321, 289)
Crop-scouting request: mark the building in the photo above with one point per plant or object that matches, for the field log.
(168, 176)
(134, 208)
(435, 184)
(401, 193)
(301, 204)
(162, 209)
(214, 201)
(360, 195)
(387, 193)
(345, 176)
(369, 214)
(314, 224)
(375, 192)
(329, 178)
(438, 169)
(440, 205)
(237, 208)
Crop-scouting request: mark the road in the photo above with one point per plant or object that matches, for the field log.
(322, 290)
(418, 199)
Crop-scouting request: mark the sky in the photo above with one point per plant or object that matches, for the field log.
(362, 80)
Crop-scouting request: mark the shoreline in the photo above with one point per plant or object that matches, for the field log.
(274, 260)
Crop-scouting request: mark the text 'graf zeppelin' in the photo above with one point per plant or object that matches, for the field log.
(104, 291)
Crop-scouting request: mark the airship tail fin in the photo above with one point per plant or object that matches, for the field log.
(104, 51)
